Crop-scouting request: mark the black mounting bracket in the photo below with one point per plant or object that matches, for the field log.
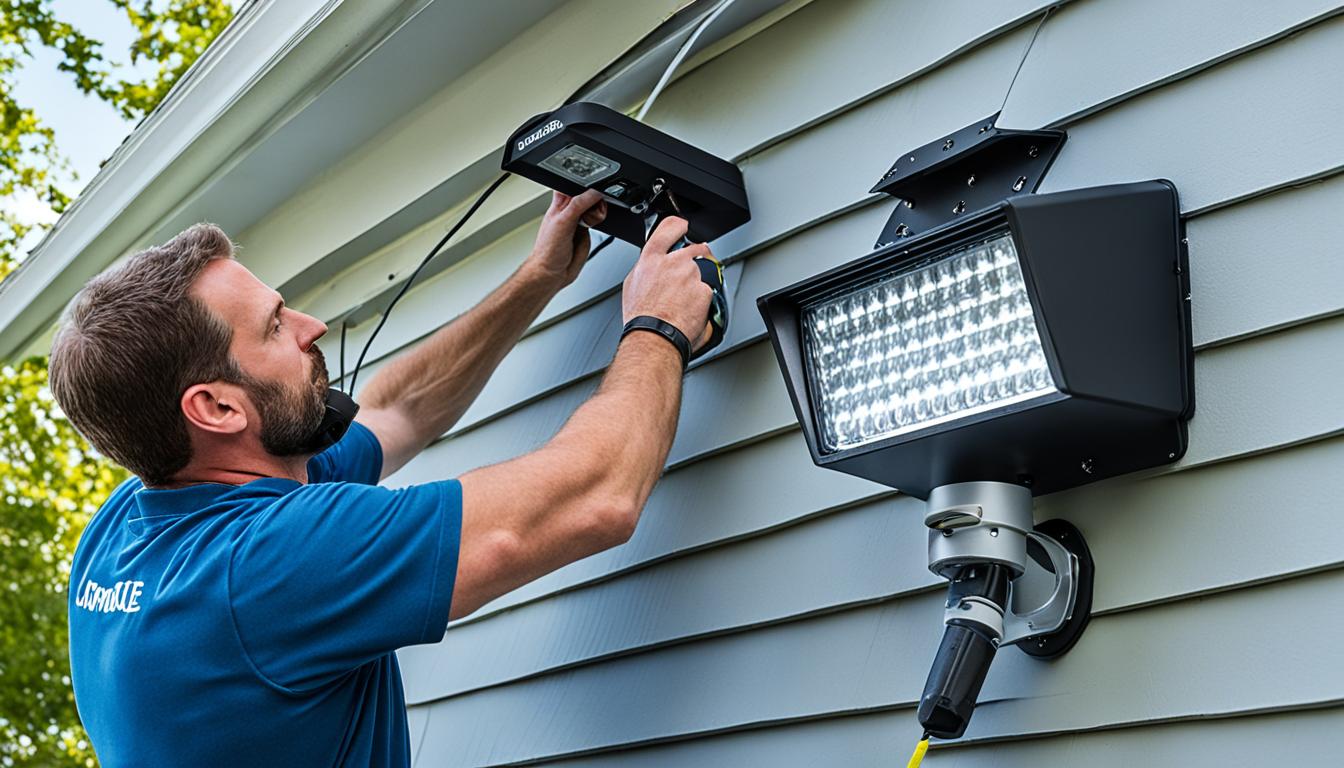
(964, 172)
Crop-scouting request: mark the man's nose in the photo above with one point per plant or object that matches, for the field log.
(316, 329)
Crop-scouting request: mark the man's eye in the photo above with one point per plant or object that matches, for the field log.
(276, 329)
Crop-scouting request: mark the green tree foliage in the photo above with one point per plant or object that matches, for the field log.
(170, 34)
(51, 482)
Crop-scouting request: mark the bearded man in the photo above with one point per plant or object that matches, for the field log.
(238, 603)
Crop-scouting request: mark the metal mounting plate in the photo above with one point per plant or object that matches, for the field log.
(1056, 643)
(964, 172)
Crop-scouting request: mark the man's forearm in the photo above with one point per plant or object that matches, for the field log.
(432, 385)
(580, 493)
(629, 424)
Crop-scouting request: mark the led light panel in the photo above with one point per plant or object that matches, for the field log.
(580, 165)
(941, 341)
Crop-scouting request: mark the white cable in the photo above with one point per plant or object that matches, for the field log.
(680, 57)
(667, 77)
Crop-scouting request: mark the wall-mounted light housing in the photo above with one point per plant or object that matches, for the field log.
(1042, 341)
(997, 344)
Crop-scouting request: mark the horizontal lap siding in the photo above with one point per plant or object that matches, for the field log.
(769, 612)
(1227, 170)
(1255, 396)
(1189, 658)
(1140, 530)
(883, 739)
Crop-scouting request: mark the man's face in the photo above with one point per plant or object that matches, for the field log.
(285, 375)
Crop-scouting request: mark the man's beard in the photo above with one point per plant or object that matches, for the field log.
(290, 419)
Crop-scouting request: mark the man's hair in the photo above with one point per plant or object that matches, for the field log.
(133, 341)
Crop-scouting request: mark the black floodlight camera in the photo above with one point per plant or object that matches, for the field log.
(997, 344)
(644, 175)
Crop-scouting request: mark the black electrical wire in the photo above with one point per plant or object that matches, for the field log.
(354, 377)
(344, 324)
(1025, 53)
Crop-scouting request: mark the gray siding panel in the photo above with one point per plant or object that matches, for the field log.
(876, 551)
(884, 739)
(1167, 662)
(1268, 263)
(1200, 133)
(1092, 54)
(843, 52)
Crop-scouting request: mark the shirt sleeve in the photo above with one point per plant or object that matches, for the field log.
(355, 458)
(335, 575)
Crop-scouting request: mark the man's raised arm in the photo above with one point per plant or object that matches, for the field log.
(583, 491)
(420, 394)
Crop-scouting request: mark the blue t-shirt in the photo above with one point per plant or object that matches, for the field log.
(254, 625)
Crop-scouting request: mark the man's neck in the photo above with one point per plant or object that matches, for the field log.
(237, 473)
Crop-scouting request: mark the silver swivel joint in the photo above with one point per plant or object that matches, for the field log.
(981, 539)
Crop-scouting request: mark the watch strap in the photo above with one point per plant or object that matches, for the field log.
(664, 329)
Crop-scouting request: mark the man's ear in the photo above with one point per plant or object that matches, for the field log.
(215, 407)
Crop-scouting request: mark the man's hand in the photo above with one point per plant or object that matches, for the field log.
(668, 285)
(562, 242)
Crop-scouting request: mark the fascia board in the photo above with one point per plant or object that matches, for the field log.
(274, 57)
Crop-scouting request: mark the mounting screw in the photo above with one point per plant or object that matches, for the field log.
(1020, 184)
(994, 532)
(948, 532)
(971, 181)
(947, 145)
(391, 277)
(912, 158)
(986, 127)
(1033, 151)
(909, 203)
(960, 207)
(902, 230)
(1087, 466)
(1031, 625)
(1171, 455)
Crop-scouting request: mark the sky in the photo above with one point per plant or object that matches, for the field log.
(87, 129)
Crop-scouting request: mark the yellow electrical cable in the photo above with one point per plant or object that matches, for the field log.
(920, 749)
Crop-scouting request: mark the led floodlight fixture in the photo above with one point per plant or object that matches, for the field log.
(996, 344)
(1043, 340)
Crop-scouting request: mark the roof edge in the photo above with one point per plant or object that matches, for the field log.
(270, 61)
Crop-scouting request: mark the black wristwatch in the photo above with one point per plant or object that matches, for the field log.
(664, 329)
